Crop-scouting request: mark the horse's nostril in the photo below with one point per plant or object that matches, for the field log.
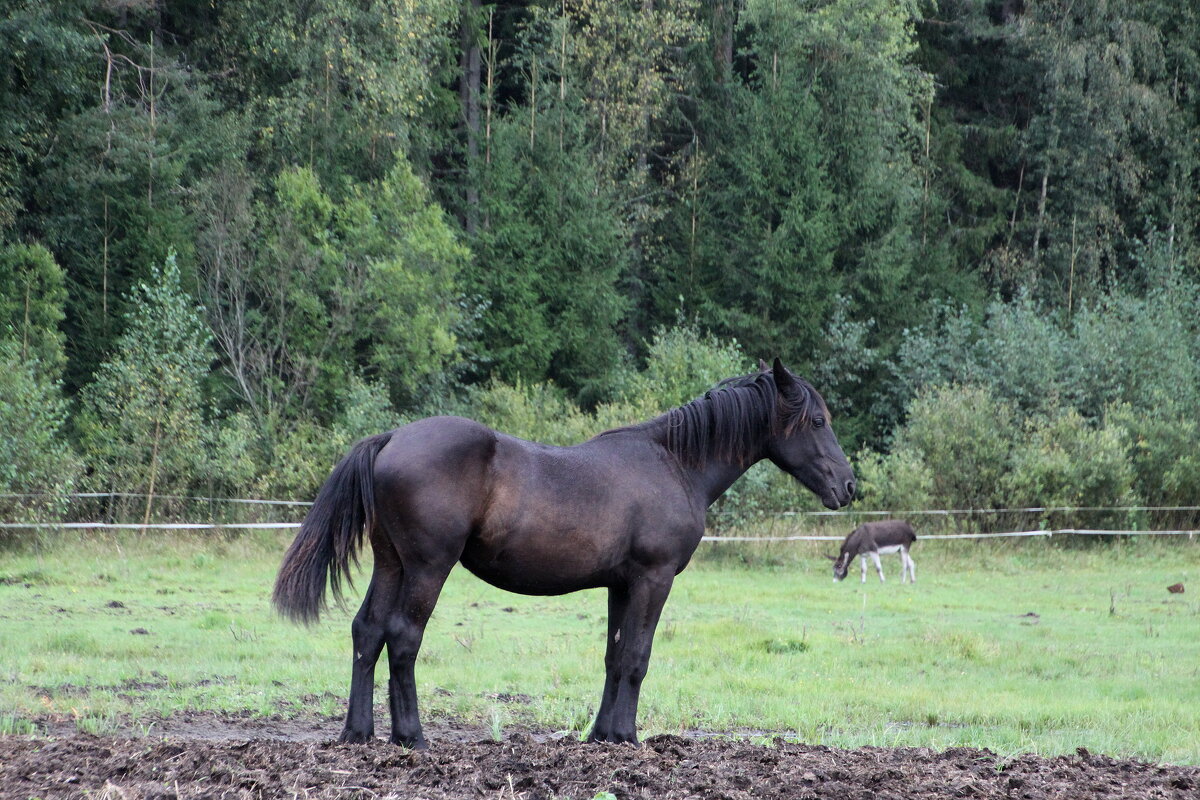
(850, 489)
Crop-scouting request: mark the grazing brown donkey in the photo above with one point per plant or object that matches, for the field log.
(623, 511)
(872, 539)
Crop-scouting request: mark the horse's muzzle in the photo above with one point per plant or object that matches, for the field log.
(837, 497)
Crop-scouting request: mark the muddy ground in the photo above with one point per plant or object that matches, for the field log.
(205, 756)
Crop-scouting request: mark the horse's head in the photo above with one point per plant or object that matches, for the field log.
(805, 446)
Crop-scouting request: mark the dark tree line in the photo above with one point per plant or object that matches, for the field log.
(370, 210)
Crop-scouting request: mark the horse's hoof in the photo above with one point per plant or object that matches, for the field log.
(356, 737)
(613, 738)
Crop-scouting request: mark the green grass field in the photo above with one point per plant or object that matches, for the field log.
(1022, 646)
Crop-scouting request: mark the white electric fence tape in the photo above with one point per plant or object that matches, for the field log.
(795, 538)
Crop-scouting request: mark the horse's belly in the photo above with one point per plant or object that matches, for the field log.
(564, 564)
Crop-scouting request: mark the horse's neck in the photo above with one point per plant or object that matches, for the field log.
(713, 478)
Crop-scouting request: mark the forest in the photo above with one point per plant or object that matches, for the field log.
(236, 236)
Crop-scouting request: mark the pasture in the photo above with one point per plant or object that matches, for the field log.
(1019, 647)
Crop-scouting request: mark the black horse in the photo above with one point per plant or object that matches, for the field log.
(624, 510)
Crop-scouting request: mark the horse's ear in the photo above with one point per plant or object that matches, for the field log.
(763, 366)
(831, 558)
(783, 378)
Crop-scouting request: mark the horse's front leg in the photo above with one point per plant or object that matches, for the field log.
(628, 655)
(618, 601)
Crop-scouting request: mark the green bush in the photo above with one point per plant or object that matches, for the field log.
(1120, 349)
(965, 437)
(34, 455)
(897, 481)
(962, 448)
(682, 363)
(538, 412)
(1062, 460)
(298, 460)
(366, 411)
(1162, 440)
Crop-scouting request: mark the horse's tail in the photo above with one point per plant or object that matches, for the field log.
(331, 535)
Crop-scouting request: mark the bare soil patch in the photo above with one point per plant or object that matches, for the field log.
(207, 756)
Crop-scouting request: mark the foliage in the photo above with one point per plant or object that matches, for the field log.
(961, 448)
(1163, 449)
(41, 77)
(1064, 461)
(332, 85)
(1099, 128)
(142, 422)
(683, 362)
(109, 195)
(537, 412)
(966, 439)
(32, 296)
(1126, 348)
(332, 290)
(760, 206)
(35, 458)
(898, 481)
(549, 256)
(567, 216)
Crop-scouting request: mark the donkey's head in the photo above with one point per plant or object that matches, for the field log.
(841, 565)
(804, 446)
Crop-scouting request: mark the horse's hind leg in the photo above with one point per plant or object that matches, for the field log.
(368, 635)
(404, 630)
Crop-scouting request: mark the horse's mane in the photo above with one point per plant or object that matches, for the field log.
(731, 419)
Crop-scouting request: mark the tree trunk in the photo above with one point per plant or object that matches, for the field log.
(469, 96)
(1037, 233)
(723, 16)
(153, 467)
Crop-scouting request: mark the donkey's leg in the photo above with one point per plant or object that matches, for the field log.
(404, 631)
(878, 566)
(912, 566)
(864, 567)
(632, 642)
(367, 631)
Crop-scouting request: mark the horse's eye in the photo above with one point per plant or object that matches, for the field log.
(818, 422)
